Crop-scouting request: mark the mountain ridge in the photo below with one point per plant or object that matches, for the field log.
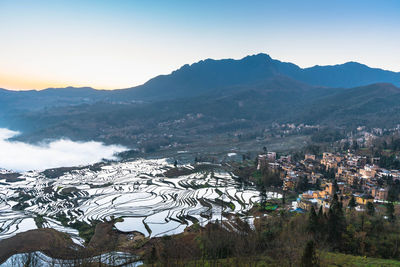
(273, 66)
(209, 74)
(218, 96)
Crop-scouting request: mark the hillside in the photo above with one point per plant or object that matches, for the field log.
(375, 104)
(206, 98)
(204, 77)
(249, 107)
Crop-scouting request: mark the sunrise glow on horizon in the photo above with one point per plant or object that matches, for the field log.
(120, 44)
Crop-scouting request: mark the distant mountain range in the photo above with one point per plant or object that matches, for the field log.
(225, 94)
(208, 75)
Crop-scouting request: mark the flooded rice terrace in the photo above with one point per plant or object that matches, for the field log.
(41, 259)
(137, 191)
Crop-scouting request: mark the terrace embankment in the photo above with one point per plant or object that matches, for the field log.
(59, 245)
(49, 241)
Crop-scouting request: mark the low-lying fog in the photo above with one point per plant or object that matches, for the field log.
(19, 156)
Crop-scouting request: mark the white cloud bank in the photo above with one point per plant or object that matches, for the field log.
(19, 156)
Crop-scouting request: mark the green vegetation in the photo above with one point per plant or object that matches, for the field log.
(389, 162)
(327, 135)
(331, 259)
(86, 231)
(100, 185)
(337, 237)
(219, 192)
(263, 178)
(39, 221)
(267, 206)
(309, 258)
(69, 190)
(57, 172)
(11, 177)
(328, 259)
(22, 199)
(147, 227)
(267, 178)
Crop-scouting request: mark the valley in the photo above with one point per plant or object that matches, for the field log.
(199, 133)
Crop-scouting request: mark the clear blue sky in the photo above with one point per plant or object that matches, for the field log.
(117, 44)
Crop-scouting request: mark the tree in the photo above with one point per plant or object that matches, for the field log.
(321, 220)
(152, 257)
(384, 144)
(352, 203)
(312, 221)
(263, 196)
(320, 213)
(309, 258)
(336, 222)
(370, 209)
(267, 177)
(335, 187)
(318, 184)
(346, 145)
(355, 145)
(390, 212)
(302, 184)
(393, 193)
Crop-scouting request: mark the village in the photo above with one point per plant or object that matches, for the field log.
(348, 175)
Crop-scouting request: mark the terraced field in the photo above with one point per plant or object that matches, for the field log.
(137, 191)
(40, 259)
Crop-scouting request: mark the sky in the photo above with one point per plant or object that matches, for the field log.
(122, 43)
(19, 156)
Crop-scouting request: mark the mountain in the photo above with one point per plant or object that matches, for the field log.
(205, 76)
(250, 107)
(376, 104)
(223, 103)
(350, 74)
(51, 97)
(210, 75)
(206, 98)
(13, 103)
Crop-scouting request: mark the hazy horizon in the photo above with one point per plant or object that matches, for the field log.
(88, 86)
